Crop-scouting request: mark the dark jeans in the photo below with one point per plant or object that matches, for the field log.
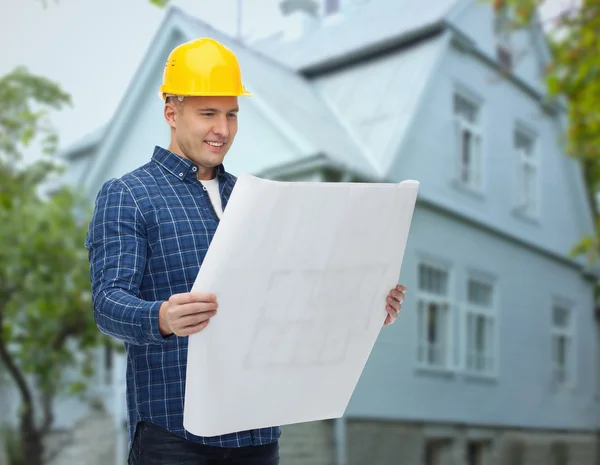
(155, 446)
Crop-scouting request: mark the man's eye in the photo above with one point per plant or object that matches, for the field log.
(207, 114)
(232, 115)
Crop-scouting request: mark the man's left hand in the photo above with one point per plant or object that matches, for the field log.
(394, 303)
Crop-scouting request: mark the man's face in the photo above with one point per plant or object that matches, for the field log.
(203, 128)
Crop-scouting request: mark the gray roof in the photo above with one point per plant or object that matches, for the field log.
(378, 101)
(372, 25)
(302, 109)
(87, 142)
(296, 102)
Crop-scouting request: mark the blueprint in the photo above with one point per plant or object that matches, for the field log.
(301, 271)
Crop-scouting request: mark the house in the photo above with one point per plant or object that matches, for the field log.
(494, 359)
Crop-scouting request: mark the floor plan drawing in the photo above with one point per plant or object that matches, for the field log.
(301, 323)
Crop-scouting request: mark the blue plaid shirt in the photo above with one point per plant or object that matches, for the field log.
(147, 238)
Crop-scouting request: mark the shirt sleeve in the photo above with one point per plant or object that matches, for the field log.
(117, 246)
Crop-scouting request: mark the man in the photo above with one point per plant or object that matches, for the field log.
(148, 237)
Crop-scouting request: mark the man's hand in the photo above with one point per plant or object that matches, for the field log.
(394, 303)
(187, 313)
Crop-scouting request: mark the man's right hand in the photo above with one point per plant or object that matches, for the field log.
(187, 313)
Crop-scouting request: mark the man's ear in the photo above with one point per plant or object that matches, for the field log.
(170, 113)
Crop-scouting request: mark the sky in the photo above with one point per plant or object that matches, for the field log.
(92, 48)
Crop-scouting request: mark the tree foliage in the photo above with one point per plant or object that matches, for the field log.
(46, 315)
(573, 77)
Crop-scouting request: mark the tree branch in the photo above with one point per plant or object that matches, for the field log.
(12, 367)
(47, 400)
(48, 394)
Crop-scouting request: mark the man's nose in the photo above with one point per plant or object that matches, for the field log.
(221, 127)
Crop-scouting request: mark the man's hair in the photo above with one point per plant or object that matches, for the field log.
(177, 101)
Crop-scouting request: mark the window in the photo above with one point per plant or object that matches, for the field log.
(503, 19)
(332, 7)
(562, 345)
(559, 454)
(515, 453)
(468, 135)
(480, 328)
(476, 452)
(433, 316)
(505, 57)
(528, 182)
(437, 452)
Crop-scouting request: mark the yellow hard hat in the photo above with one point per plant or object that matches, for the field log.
(202, 67)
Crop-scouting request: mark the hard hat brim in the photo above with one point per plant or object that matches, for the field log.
(162, 94)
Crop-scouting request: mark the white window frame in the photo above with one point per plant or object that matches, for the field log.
(475, 172)
(563, 377)
(424, 348)
(526, 204)
(490, 315)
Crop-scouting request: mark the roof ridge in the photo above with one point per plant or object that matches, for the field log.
(249, 48)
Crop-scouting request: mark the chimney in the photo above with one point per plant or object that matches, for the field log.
(299, 17)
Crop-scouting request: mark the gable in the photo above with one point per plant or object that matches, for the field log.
(477, 21)
(530, 54)
(299, 124)
(430, 153)
(377, 99)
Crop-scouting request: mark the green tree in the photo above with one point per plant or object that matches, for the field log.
(573, 79)
(46, 315)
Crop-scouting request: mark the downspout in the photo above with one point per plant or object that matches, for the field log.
(120, 408)
(339, 439)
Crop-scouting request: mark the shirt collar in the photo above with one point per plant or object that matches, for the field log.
(178, 166)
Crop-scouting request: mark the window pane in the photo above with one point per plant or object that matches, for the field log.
(465, 109)
(436, 330)
(524, 142)
(433, 280)
(480, 334)
(466, 156)
(476, 161)
(530, 187)
(470, 340)
(422, 318)
(560, 351)
(560, 317)
(432, 323)
(479, 293)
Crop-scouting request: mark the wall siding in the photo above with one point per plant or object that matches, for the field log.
(392, 386)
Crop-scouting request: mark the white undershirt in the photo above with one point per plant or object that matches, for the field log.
(212, 187)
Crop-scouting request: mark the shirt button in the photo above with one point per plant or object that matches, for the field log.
(181, 175)
(203, 188)
(194, 169)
